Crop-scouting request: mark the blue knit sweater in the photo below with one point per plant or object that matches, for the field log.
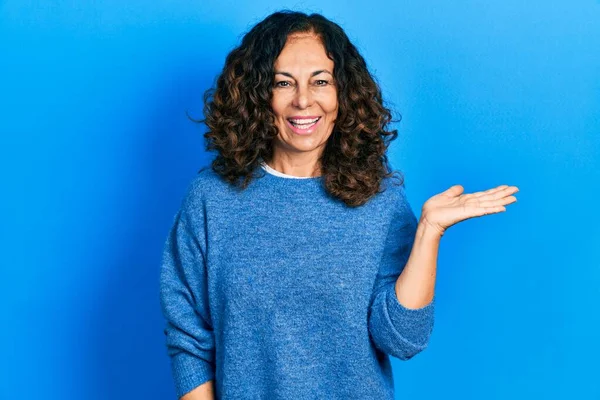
(281, 291)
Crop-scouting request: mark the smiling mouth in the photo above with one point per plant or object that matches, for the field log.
(304, 124)
(304, 128)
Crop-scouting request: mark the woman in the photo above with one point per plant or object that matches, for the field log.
(295, 266)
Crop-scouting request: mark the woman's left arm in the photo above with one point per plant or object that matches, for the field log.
(402, 307)
(416, 284)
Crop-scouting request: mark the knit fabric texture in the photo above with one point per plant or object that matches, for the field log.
(281, 291)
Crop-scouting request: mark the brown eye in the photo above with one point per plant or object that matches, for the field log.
(280, 83)
(324, 82)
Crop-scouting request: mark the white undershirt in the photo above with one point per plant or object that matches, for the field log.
(281, 174)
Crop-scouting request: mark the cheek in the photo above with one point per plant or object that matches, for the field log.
(332, 111)
(278, 106)
(330, 104)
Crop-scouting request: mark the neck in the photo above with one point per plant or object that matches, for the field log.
(296, 166)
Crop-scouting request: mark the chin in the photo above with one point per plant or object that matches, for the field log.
(302, 143)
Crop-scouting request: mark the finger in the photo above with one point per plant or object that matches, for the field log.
(490, 191)
(498, 193)
(495, 210)
(453, 191)
(498, 202)
(485, 192)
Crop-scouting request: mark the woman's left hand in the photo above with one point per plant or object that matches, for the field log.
(450, 207)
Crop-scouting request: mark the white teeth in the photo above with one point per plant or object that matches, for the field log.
(303, 126)
(303, 121)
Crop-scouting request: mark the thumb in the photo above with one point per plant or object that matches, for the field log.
(454, 191)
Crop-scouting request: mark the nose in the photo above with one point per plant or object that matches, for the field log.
(302, 97)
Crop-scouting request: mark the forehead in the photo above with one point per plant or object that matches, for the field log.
(303, 50)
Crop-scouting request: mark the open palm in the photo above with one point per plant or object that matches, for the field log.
(450, 207)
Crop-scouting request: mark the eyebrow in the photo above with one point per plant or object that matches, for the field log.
(313, 74)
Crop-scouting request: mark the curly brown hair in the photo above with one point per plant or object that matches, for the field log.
(241, 121)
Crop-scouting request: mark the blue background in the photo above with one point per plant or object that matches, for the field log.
(96, 151)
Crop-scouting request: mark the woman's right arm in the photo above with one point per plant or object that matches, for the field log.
(202, 392)
(184, 300)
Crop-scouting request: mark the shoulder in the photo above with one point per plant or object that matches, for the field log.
(394, 190)
(204, 184)
(396, 198)
(205, 181)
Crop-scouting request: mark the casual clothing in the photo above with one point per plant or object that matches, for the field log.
(281, 291)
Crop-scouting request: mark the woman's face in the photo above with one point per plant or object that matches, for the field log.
(304, 92)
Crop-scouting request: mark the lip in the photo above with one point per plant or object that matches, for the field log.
(304, 131)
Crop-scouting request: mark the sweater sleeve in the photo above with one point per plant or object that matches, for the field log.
(184, 300)
(396, 330)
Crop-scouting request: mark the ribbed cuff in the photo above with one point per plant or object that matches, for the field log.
(414, 325)
(189, 372)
